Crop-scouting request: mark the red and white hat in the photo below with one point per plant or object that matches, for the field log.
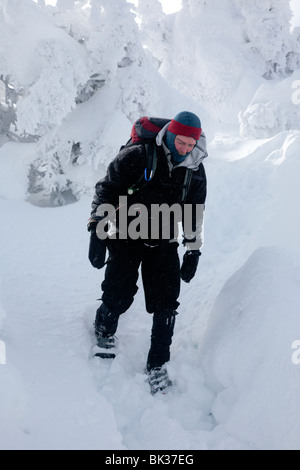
(187, 124)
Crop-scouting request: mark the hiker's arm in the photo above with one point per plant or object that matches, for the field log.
(193, 230)
(122, 172)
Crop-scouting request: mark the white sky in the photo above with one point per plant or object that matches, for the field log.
(295, 4)
(170, 6)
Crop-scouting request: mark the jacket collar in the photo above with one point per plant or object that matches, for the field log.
(193, 160)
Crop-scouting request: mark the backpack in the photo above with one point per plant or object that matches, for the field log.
(145, 130)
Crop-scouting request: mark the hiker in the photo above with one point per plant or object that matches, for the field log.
(179, 178)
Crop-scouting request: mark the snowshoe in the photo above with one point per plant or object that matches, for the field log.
(105, 347)
(159, 380)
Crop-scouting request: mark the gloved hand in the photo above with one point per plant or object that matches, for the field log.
(189, 265)
(97, 250)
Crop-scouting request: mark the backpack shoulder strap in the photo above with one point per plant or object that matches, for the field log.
(186, 183)
(151, 163)
(151, 153)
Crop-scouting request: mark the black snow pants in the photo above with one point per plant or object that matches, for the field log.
(160, 269)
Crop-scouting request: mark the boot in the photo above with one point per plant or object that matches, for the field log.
(159, 380)
(106, 324)
(159, 353)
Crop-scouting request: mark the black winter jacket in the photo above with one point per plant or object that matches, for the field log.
(166, 187)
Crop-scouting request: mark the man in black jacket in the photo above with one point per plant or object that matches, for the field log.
(179, 183)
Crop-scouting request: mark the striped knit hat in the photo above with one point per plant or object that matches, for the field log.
(186, 124)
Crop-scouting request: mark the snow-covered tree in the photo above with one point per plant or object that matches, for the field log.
(267, 34)
(155, 28)
(268, 37)
(114, 40)
(218, 48)
(97, 64)
(92, 58)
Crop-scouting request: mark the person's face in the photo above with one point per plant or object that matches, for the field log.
(184, 145)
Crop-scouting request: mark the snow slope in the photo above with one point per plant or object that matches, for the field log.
(234, 361)
(236, 386)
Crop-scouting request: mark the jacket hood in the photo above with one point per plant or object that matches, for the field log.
(197, 155)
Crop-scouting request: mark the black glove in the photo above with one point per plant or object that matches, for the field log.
(97, 250)
(189, 265)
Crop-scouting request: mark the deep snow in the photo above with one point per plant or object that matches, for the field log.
(235, 362)
(236, 386)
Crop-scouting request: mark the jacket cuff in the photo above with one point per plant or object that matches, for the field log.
(92, 224)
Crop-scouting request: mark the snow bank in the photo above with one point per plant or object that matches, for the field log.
(239, 368)
(15, 161)
(260, 195)
(274, 108)
(247, 353)
(235, 384)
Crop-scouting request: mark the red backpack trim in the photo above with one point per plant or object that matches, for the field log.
(146, 129)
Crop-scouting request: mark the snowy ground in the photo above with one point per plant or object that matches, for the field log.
(236, 386)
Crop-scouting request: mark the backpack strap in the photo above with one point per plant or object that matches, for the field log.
(186, 183)
(151, 163)
(146, 129)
